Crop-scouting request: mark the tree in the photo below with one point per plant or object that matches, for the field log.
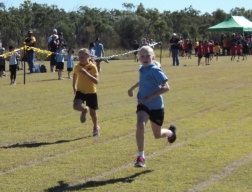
(128, 29)
(128, 6)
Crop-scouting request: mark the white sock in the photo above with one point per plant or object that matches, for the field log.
(141, 154)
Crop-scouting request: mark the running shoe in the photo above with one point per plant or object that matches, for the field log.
(140, 162)
(174, 136)
(83, 116)
(96, 131)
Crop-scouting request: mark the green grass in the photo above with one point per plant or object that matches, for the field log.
(44, 147)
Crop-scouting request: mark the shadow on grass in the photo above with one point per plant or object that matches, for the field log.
(31, 145)
(66, 187)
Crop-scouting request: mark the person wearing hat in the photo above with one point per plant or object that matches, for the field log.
(30, 41)
(53, 48)
(61, 40)
(174, 43)
(54, 33)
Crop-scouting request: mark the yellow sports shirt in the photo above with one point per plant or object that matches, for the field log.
(84, 84)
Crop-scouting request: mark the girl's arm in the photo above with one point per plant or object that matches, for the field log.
(164, 88)
(131, 90)
(75, 76)
(94, 79)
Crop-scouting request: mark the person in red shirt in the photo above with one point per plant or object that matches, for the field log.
(239, 50)
(206, 52)
(233, 51)
(200, 52)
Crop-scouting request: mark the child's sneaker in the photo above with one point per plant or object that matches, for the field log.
(140, 162)
(174, 136)
(96, 131)
(83, 116)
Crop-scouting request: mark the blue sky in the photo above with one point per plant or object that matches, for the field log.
(202, 5)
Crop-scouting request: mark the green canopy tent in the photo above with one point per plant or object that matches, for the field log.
(233, 24)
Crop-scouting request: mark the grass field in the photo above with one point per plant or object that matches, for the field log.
(44, 147)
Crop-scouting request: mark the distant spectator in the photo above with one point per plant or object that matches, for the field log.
(239, 50)
(196, 45)
(61, 40)
(70, 62)
(13, 64)
(30, 41)
(190, 47)
(91, 49)
(245, 50)
(54, 33)
(217, 50)
(200, 52)
(53, 48)
(144, 42)
(175, 44)
(99, 52)
(233, 51)
(60, 54)
(2, 62)
(207, 52)
(135, 47)
(250, 46)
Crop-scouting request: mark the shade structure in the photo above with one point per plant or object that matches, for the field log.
(233, 24)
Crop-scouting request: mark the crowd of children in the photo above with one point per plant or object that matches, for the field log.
(236, 46)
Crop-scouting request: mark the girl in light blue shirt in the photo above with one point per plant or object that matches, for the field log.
(70, 62)
(152, 84)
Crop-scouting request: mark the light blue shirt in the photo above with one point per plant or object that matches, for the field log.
(98, 49)
(60, 55)
(70, 61)
(149, 83)
(13, 58)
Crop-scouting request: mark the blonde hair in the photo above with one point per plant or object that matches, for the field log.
(147, 49)
(83, 51)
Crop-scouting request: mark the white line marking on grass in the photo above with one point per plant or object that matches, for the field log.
(159, 152)
(224, 173)
(34, 163)
(101, 175)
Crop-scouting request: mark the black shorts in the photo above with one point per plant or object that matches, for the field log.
(90, 99)
(60, 65)
(156, 116)
(69, 69)
(53, 61)
(207, 55)
(200, 56)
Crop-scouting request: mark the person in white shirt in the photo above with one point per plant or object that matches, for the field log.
(51, 36)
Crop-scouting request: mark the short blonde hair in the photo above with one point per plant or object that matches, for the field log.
(147, 49)
(83, 51)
